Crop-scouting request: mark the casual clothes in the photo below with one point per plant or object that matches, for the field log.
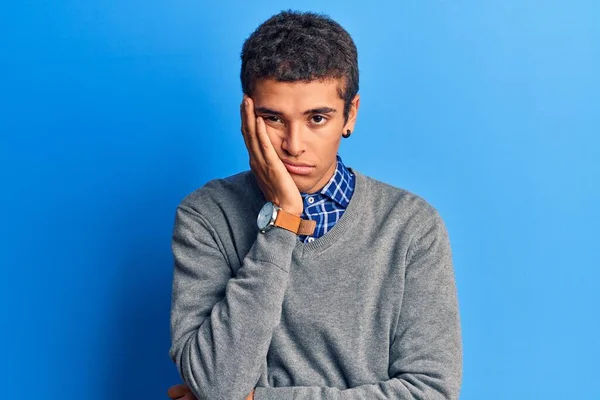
(367, 311)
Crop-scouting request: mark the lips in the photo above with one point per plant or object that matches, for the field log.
(296, 164)
(298, 169)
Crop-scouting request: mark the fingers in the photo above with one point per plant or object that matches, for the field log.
(178, 391)
(249, 131)
(243, 128)
(268, 151)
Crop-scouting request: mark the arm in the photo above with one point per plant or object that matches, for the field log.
(221, 326)
(426, 353)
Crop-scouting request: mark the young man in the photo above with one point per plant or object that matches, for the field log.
(303, 278)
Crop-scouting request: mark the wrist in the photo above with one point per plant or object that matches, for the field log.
(291, 209)
(290, 219)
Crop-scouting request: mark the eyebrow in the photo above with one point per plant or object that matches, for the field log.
(318, 110)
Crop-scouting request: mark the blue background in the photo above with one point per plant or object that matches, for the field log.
(111, 112)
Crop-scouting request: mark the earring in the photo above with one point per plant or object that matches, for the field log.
(347, 134)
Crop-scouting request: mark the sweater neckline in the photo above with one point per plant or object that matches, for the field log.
(350, 217)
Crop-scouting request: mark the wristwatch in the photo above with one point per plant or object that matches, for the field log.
(271, 215)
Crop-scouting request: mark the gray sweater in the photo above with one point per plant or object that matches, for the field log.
(367, 311)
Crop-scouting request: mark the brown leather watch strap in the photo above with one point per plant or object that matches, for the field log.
(287, 221)
(307, 227)
(294, 223)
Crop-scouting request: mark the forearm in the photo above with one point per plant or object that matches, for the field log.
(220, 356)
(408, 388)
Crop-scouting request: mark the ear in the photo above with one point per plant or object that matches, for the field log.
(352, 113)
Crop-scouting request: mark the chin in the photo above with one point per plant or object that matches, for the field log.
(303, 183)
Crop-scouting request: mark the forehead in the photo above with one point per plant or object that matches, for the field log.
(294, 97)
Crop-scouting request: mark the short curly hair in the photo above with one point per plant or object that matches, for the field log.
(301, 46)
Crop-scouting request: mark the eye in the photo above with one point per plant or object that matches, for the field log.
(272, 118)
(319, 119)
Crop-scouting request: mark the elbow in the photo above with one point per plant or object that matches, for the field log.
(433, 385)
(186, 357)
(207, 378)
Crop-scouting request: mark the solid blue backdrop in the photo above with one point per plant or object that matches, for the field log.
(111, 112)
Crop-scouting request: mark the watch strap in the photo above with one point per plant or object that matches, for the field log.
(307, 227)
(294, 223)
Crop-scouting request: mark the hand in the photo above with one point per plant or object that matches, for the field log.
(273, 178)
(183, 392)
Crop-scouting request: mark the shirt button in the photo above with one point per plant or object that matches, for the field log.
(311, 200)
(311, 239)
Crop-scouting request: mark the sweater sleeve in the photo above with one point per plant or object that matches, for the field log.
(426, 352)
(222, 325)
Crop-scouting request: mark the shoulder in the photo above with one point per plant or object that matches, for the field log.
(387, 197)
(236, 191)
(403, 217)
(404, 211)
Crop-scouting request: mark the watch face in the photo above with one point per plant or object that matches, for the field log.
(264, 216)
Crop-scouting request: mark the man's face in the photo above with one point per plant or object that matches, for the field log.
(305, 122)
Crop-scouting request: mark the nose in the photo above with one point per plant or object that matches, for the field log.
(293, 140)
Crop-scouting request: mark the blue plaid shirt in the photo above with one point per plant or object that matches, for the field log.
(327, 206)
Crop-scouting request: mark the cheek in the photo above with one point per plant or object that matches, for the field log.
(331, 137)
(325, 147)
